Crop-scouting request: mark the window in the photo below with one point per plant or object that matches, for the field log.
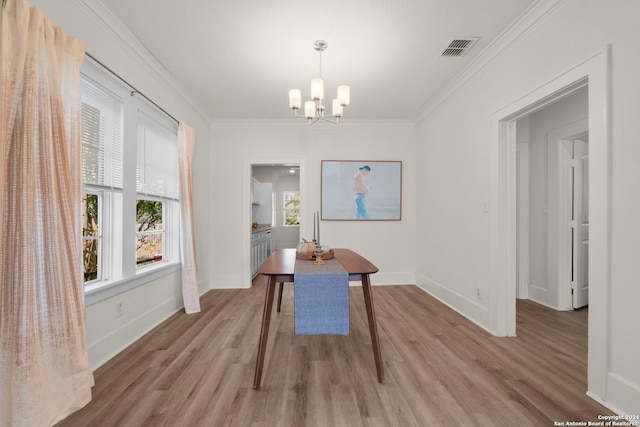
(91, 237)
(102, 140)
(156, 186)
(149, 232)
(130, 206)
(291, 208)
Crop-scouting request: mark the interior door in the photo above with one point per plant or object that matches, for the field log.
(580, 224)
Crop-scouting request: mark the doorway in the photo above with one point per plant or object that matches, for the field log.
(594, 71)
(281, 209)
(552, 204)
(269, 167)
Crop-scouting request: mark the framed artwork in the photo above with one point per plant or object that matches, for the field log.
(361, 190)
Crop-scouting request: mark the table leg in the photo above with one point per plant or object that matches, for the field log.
(264, 331)
(373, 327)
(280, 295)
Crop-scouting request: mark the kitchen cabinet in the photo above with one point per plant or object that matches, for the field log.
(261, 248)
(261, 206)
(256, 191)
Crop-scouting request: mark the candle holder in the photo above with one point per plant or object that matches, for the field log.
(318, 252)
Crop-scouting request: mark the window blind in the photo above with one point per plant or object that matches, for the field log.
(157, 158)
(102, 135)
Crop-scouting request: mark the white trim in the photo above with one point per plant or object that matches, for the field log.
(533, 16)
(595, 69)
(543, 302)
(133, 326)
(626, 395)
(94, 293)
(101, 14)
(523, 171)
(298, 125)
(539, 294)
(501, 292)
(456, 302)
(392, 278)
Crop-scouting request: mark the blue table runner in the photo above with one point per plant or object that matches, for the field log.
(321, 294)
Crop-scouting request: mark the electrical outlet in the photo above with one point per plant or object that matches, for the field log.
(119, 309)
(478, 294)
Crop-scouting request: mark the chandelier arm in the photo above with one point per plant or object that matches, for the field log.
(328, 119)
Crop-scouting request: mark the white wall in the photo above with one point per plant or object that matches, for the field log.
(236, 145)
(543, 266)
(455, 147)
(148, 305)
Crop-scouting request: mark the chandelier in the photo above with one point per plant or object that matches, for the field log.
(314, 110)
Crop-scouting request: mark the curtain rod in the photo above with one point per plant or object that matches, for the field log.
(133, 89)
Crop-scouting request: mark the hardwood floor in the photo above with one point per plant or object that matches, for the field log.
(440, 369)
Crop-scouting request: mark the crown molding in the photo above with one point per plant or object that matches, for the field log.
(302, 126)
(530, 19)
(103, 15)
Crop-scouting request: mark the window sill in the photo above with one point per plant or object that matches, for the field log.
(94, 293)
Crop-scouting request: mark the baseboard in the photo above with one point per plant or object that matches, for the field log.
(459, 303)
(102, 350)
(393, 278)
(623, 396)
(229, 281)
(542, 303)
(538, 294)
(377, 279)
(204, 286)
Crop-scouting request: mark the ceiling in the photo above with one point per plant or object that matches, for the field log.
(237, 59)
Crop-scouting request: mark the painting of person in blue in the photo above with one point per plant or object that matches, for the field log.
(361, 190)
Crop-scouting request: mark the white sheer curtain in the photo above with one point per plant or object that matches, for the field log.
(44, 367)
(190, 292)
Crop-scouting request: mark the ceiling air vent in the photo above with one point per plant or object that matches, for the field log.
(459, 47)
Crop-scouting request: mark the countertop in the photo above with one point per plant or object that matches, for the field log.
(261, 227)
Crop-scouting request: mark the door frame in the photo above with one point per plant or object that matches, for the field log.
(247, 165)
(523, 179)
(558, 184)
(594, 71)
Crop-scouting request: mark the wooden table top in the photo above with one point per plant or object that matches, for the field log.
(282, 263)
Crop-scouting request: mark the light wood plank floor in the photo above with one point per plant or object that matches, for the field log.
(441, 369)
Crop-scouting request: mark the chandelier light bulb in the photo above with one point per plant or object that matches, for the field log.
(309, 109)
(295, 99)
(337, 109)
(317, 89)
(344, 95)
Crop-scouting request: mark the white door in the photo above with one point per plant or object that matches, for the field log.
(580, 224)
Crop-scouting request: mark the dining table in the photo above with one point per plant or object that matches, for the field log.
(279, 268)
